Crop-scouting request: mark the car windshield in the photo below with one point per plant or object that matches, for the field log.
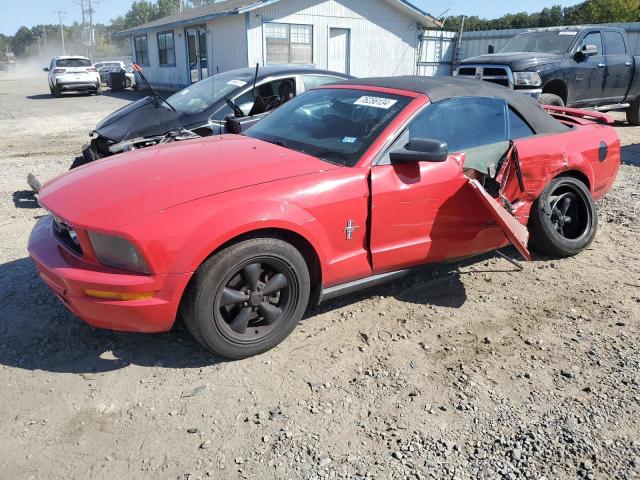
(200, 96)
(544, 42)
(73, 62)
(336, 125)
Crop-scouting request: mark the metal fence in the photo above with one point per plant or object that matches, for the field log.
(436, 52)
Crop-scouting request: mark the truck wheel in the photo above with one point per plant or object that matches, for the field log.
(247, 298)
(551, 99)
(633, 113)
(563, 220)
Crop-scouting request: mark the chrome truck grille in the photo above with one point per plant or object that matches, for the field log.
(498, 74)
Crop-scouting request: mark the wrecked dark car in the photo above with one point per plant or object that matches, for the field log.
(225, 103)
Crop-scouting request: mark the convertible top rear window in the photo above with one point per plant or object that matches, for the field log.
(336, 125)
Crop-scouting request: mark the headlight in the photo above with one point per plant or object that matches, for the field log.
(529, 79)
(117, 252)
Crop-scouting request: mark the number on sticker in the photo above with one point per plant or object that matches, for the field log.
(376, 102)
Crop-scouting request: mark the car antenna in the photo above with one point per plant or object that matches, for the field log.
(255, 80)
(156, 94)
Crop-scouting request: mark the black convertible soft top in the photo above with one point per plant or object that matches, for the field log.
(441, 88)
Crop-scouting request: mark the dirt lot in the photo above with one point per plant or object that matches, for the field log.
(474, 370)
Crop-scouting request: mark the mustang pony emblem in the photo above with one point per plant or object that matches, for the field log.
(350, 228)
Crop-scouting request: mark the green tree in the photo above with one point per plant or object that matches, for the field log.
(22, 40)
(142, 11)
(589, 11)
(168, 7)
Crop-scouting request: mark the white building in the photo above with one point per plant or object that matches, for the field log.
(360, 37)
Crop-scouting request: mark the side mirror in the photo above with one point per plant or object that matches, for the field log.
(491, 49)
(588, 51)
(420, 150)
(45, 69)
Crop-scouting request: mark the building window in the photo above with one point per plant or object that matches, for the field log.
(288, 43)
(166, 50)
(141, 48)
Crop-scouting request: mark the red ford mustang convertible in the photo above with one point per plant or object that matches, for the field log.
(343, 187)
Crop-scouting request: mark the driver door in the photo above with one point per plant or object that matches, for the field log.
(427, 212)
(589, 73)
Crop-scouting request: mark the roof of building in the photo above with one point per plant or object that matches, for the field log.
(237, 7)
(442, 88)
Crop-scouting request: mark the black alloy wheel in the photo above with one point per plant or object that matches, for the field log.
(564, 219)
(569, 214)
(255, 299)
(247, 298)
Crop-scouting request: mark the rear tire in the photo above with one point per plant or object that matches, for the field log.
(247, 298)
(564, 219)
(633, 113)
(551, 99)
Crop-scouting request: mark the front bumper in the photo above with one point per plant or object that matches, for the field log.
(69, 276)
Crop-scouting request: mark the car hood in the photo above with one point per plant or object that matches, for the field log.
(112, 192)
(144, 118)
(517, 61)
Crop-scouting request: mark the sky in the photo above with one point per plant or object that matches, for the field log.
(44, 11)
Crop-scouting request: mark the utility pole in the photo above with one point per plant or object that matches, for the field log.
(59, 12)
(90, 10)
(456, 55)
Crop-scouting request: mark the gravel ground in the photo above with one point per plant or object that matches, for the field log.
(475, 370)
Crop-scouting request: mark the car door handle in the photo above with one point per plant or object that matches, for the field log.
(627, 64)
(602, 65)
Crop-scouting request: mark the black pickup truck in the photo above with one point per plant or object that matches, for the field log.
(585, 66)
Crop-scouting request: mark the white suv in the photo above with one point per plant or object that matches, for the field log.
(73, 73)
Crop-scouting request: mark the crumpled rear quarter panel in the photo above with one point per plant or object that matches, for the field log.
(543, 158)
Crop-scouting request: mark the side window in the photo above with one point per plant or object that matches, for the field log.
(593, 38)
(315, 81)
(518, 127)
(284, 89)
(614, 43)
(463, 122)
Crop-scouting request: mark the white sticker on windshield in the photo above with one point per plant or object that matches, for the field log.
(349, 140)
(237, 83)
(573, 34)
(376, 102)
(185, 91)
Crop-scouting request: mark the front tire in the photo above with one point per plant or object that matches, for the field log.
(551, 99)
(57, 92)
(247, 298)
(99, 90)
(564, 219)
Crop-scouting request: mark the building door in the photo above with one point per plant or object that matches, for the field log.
(338, 50)
(197, 53)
